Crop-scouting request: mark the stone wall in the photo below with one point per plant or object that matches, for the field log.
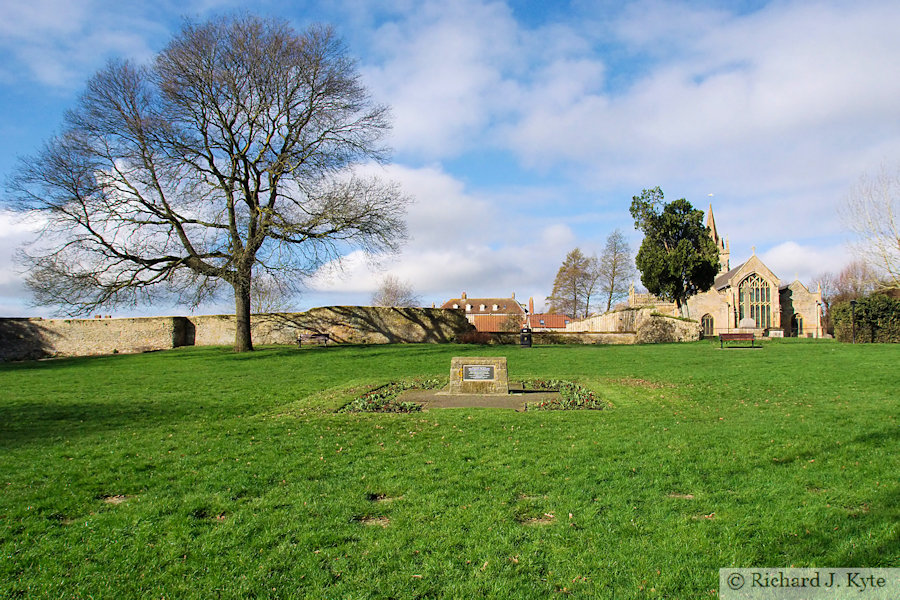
(618, 321)
(628, 320)
(541, 338)
(660, 329)
(343, 324)
(23, 339)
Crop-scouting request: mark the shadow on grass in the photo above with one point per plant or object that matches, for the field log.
(28, 422)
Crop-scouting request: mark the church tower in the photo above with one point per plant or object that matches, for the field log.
(724, 246)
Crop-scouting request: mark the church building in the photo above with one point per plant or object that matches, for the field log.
(750, 297)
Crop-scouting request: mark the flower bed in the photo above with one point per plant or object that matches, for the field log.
(384, 398)
(572, 396)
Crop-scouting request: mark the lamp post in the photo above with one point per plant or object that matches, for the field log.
(853, 321)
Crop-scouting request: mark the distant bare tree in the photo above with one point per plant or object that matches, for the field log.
(512, 323)
(231, 153)
(394, 292)
(615, 269)
(855, 281)
(873, 213)
(270, 295)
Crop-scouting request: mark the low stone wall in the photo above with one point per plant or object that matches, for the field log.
(343, 324)
(541, 338)
(618, 321)
(24, 339)
(658, 329)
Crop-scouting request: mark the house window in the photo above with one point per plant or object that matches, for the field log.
(456, 306)
(755, 301)
(495, 308)
(542, 321)
(709, 325)
(481, 307)
(468, 307)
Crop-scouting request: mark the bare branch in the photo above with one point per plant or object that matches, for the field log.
(234, 148)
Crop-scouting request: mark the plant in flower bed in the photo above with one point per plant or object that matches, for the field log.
(571, 395)
(384, 398)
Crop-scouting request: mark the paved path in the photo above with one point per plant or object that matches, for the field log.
(438, 399)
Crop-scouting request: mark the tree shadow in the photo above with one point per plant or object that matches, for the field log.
(22, 423)
(25, 339)
(378, 325)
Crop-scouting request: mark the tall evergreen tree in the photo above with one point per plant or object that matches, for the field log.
(678, 257)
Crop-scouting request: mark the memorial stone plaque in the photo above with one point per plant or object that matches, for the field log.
(478, 375)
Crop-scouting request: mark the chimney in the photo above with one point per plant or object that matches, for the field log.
(513, 296)
(463, 295)
(531, 305)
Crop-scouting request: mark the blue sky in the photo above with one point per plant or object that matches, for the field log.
(524, 128)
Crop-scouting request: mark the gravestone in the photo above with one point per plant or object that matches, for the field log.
(478, 375)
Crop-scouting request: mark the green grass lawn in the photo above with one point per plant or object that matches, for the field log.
(198, 473)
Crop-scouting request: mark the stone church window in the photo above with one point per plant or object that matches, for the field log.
(708, 325)
(797, 326)
(755, 300)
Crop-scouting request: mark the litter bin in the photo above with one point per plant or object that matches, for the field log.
(525, 337)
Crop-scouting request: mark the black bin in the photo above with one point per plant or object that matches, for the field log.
(525, 337)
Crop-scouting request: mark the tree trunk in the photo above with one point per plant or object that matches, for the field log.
(242, 339)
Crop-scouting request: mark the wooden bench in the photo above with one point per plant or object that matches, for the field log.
(312, 339)
(736, 337)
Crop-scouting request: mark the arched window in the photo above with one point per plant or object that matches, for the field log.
(708, 325)
(755, 300)
(797, 326)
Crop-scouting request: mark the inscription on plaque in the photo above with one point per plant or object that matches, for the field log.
(478, 373)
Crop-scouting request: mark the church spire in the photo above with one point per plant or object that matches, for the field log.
(724, 249)
(711, 223)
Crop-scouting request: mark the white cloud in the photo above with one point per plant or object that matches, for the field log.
(15, 230)
(772, 98)
(790, 260)
(460, 240)
(440, 70)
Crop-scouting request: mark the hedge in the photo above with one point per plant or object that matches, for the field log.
(876, 317)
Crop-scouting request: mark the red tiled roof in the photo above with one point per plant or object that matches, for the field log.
(505, 306)
(549, 321)
(490, 323)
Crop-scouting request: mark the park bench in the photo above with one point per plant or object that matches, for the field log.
(312, 339)
(736, 337)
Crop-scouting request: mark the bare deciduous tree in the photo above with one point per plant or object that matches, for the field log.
(394, 292)
(270, 294)
(616, 268)
(873, 214)
(855, 281)
(232, 153)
